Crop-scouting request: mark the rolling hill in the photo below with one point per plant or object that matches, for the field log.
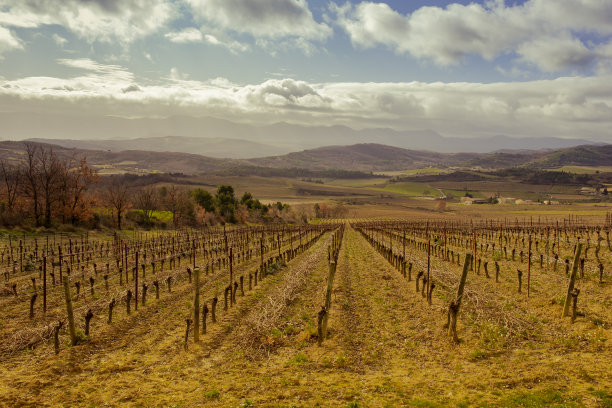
(366, 158)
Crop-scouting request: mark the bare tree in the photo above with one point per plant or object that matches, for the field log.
(11, 179)
(117, 197)
(50, 170)
(76, 179)
(146, 199)
(31, 187)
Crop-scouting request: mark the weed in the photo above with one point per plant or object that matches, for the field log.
(213, 393)
(298, 359)
(536, 399)
(605, 398)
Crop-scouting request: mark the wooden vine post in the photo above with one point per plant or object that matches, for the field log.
(196, 305)
(136, 283)
(328, 296)
(529, 268)
(570, 287)
(73, 338)
(44, 265)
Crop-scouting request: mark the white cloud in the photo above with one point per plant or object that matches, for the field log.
(448, 35)
(233, 46)
(93, 20)
(185, 36)
(568, 106)
(8, 41)
(556, 53)
(59, 40)
(271, 19)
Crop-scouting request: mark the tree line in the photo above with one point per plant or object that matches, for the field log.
(43, 188)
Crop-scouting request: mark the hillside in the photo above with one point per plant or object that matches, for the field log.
(131, 161)
(578, 156)
(365, 158)
(362, 157)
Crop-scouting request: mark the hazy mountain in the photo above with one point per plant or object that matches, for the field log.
(277, 138)
(211, 147)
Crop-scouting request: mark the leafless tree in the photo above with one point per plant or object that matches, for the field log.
(117, 197)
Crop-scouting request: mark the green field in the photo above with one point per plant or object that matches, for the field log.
(584, 169)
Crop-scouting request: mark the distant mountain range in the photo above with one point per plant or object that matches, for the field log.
(221, 138)
(360, 157)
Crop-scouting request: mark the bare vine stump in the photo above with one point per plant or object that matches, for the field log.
(572, 280)
(478, 268)
(582, 268)
(106, 282)
(424, 286)
(213, 310)
(32, 300)
(496, 272)
(88, 318)
(145, 287)
(256, 278)
(486, 269)
(120, 276)
(189, 273)
(169, 283)
(575, 294)
(91, 285)
(541, 261)
(128, 301)
(234, 293)
(14, 287)
(33, 284)
(320, 319)
(601, 271)
(520, 280)
(156, 284)
(56, 331)
(204, 314)
(417, 280)
(188, 321)
(77, 284)
(250, 281)
(567, 267)
(455, 304)
(453, 310)
(111, 306)
(409, 271)
(429, 295)
(241, 285)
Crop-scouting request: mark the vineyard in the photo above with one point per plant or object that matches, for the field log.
(346, 313)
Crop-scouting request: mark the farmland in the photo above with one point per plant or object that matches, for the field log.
(387, 343)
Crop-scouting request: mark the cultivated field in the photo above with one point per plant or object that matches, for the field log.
(395, 286)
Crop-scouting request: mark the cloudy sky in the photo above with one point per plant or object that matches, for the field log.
(462, 68)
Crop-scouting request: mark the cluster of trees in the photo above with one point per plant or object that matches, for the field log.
(45, 189)
(149, 206)
(323, 210)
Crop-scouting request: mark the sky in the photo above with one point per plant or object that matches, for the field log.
(461, 68)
